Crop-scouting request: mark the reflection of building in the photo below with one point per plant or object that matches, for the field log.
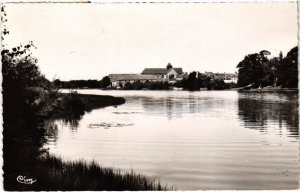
(149, 74)
(168, 73)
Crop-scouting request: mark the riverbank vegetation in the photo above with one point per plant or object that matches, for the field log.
(29, 99)
(259, 70)
(196, 81)
(79, 84)
(58, 174)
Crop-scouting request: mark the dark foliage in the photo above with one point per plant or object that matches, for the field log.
(105, 82)
(217, 84)
(251, 69)
(192, 82)
(157, 85)
(74, 84)
(197, 80)
(288, 69)
(23, 86)
(138, 85)
(257, 70)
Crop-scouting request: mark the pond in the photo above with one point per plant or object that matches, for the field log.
(190, 140)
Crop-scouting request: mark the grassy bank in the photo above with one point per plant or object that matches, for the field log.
(91, 102)
(57, 174)
(74, 105)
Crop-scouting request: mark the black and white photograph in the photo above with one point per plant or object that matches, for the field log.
(161, 96)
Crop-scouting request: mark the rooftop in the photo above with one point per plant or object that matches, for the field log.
(160, 71)
(132, 76)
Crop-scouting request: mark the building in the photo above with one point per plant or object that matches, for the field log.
(227, 77)
(168, 73)
(119, 80)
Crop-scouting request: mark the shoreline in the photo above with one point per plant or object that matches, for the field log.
(232, 89)
(91, 101)
(80, 175)
(271, 90)
(74, 105)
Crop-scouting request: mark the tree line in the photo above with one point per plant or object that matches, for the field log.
(74, 84)
(196, 80)
(258, 70)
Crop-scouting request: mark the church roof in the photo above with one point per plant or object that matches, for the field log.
(132, 76)
(160, 71)
(155, 71)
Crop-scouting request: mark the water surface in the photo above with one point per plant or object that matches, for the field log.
(191, 140)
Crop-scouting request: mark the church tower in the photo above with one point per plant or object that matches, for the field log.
(169, 66)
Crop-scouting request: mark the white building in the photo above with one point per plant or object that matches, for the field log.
(168, 73)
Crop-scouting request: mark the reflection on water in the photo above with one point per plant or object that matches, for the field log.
(191, 140)
(270, 112)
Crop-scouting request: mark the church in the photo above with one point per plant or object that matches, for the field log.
(168, 73)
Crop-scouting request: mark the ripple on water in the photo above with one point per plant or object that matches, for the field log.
(192, 140)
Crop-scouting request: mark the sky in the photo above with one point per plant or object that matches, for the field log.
(89, 41)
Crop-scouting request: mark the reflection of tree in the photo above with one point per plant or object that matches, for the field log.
(258, 110)
(51, 130)
(71, 121)
(178, 106)
(169, 106)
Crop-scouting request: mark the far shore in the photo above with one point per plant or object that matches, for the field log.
(265, 89)
(269, 89)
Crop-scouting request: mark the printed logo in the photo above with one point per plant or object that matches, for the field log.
(24, 180)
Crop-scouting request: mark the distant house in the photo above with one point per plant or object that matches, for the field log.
(119, 80)
(209, 74)
(227, 77)
(168, 73)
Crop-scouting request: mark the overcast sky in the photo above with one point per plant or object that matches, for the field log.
(89, 41)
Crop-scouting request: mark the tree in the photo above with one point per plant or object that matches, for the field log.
(251, 68)
(25, 95)
(270, 72)
(193, 82)
(105, 82)
(57, 83)
(128, 86)
(217, 84)
(137, 85)
(288, 69)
